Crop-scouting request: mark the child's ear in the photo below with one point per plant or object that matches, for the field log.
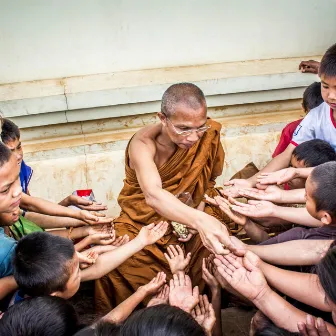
(326, 218)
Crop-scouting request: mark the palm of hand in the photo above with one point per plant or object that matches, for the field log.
(178, 263)
(238, 218)
(250, 284)
(182, 297)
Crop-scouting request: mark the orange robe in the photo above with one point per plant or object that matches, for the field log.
(194, 171)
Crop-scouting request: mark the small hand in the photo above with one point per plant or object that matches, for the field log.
(106, 228)
(313, 327)
(270, 193)
(85, 204)
(255, 209)
(175, 258)
(162, 297)
(238, 247)
(235, 185)
(184, 240)
(208, 275)
(151, 233)
(94, 218)
(182, 294)
(86, 258)
(102, 238)
(204, 314)
(309, 66)
(122, 240)
(279, 177)
(155, 284)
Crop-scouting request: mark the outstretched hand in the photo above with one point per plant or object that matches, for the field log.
(270, 193)
(208, 274)
(278, 177)
(162, 297)
(155, 284)
(204, 314)
(151, 233)
(235, 185)
(94, 218)
(182, 294)
(313, 327)
(254, 209)
(176, 260)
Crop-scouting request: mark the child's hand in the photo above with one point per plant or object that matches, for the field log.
(87, 258)
(102, 238)
(246, 279)
(122, 240)
(160, 298)
(271, 193)
(182, 294)
(92, 229)
(208, 277)
(94, 218)
(235, 185)
(313, 327)
(152, 233)
(255, 209)
(204, 314)
(279, 177)
(238, 247)
(155, 284)
(176, 260)
(100, 249)
(84, 204)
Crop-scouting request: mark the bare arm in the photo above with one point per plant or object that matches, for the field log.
(7, 286)
(110, 260)
(297, 215)
(255, 232)
(212, 232)
(292, 253)
(298, 286)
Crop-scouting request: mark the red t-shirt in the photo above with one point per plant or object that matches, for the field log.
(286, 137)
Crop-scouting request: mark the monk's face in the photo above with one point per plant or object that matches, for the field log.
(186, 125)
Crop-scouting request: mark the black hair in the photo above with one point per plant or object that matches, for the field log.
(328, 63)
(5, 154)
(185, 93)
(324, 195)
(40, 316)
(42, 263)
(9, 131)
(160, 320)
(314, 152)
(268, 328)
(326, 271)
(312, 96)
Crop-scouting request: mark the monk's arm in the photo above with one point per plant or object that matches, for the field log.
(279, 162)
(162, 201)
(7, 286)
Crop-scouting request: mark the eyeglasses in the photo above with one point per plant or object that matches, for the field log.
(200, 130)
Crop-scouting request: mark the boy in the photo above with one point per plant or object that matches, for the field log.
(10, 136)
(318, 124)
(45, 264)
(311, 98)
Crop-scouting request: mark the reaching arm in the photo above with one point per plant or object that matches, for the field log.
(7, 286)
(298, 286)
(212, 232)
(39, 205)
(110, 260)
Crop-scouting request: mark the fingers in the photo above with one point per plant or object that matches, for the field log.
(195, 292)
(184, 240)
(210, 200)
(229, 183)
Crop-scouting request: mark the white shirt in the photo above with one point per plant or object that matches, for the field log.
(318, 124)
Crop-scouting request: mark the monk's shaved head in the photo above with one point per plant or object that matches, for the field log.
(187, 94)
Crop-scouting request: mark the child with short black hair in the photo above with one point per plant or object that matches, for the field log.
(42, 316)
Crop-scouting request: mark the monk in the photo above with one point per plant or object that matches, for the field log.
(182, 153)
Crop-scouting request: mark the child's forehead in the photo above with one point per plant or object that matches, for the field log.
(9, 172)
(330, 80)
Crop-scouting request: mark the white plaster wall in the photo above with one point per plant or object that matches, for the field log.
(42, 39)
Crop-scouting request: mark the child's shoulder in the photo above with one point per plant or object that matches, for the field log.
(319, 110)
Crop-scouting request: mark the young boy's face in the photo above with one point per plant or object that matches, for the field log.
(16, 148)
(8, 219)
(297, 183)
(328, 90)
(73, 283)
(10, 188)
(321, 215)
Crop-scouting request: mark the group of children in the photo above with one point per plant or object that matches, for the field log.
(48, 249)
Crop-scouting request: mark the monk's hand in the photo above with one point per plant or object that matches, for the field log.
(151, 233)
(309, 66)
(213, 234)
(234, 186)
(94, 218)
(278, 177)
(313, 327)
(176, 260)
(182, 294)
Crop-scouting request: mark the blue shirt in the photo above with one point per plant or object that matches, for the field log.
(25, 176)
(7, 247)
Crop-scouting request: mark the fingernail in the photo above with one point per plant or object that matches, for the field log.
(319, 322)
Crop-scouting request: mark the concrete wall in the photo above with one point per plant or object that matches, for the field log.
(61, 38)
